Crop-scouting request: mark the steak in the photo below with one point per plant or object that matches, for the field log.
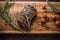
(28, 11)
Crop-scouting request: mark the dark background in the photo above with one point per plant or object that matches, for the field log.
(30, 36)
(33, 0)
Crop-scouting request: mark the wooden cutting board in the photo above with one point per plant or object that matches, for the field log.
(36, 26)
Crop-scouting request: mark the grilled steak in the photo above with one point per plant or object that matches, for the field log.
(29, 12)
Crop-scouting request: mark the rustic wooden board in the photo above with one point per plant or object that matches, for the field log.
(35, 27)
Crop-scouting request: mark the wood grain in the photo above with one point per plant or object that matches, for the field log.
(36, 26)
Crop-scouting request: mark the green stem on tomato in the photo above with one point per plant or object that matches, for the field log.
(45, 25)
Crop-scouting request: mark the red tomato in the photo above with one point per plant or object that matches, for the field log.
(43, 20)
(43, 6)
(53, 17)
(44, 15)
(57, 22)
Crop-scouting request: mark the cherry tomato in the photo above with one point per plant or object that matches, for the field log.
(57, 22)
(43, 20)
(43, 6)
(54, 17)
(44, 15)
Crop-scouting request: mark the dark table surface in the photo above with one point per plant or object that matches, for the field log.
(30, 36)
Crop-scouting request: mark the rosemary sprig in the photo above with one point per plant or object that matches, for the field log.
(27, 18)
(4, 13)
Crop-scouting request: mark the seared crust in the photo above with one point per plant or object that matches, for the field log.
(31, 13)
